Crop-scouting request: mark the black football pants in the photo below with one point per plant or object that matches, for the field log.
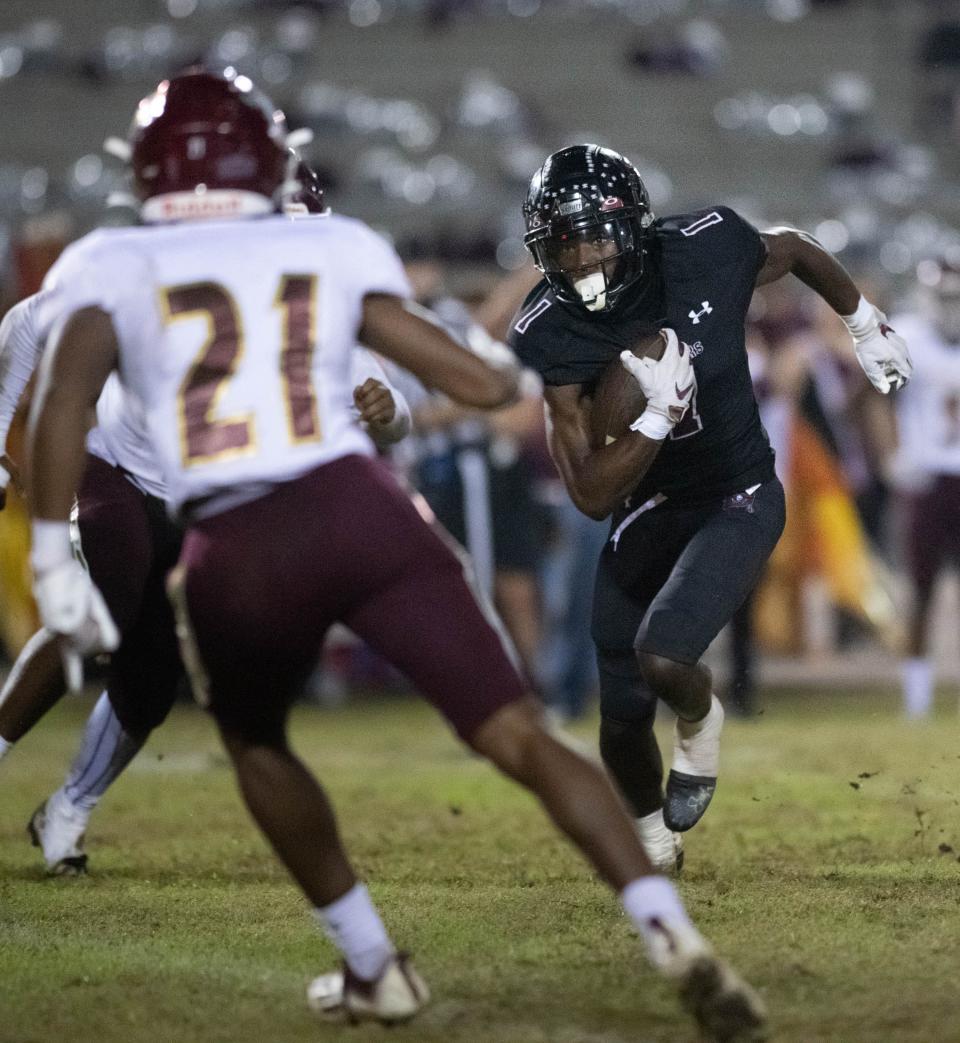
(672, 581)
(668, 585)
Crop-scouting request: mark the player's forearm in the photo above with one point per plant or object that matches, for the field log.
(75, 367)
(792, 251)
(825, 275)
(395, 430)
(430, 354)
(597, 480)
(881, 352)
(56, 453)
(467, 379)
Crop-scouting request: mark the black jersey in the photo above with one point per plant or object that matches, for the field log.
(706, 265)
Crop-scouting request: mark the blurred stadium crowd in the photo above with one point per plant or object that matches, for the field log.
(842, 116)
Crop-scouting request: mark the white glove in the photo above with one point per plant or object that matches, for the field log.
(882, 353)
(72, 607)
(668, 384)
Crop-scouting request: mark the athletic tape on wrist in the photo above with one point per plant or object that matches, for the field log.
(50, 544)
(652, 425)
(863, 320)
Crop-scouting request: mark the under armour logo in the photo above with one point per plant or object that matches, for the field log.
(699, 799)
(695, 316)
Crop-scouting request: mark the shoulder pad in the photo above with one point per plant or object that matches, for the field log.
(708, 238)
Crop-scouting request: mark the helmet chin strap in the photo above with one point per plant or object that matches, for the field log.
(593, 291)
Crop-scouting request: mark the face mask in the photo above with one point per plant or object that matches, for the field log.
(593, 291)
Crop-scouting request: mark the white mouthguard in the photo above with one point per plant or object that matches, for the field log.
(592, 290)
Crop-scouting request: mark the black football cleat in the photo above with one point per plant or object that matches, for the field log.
(692, 781)
(687, 798)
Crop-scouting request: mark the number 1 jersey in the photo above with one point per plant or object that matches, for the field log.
(236, 338)
(705, 268)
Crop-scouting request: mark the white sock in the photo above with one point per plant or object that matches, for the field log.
(354, 926)
(917, 677)
(657, 840)
(653, 898)
(5, 747)
(61, 807)
(697, 743)
(105, 750)
(652, 903)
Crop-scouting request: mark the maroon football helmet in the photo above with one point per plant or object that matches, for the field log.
(302, 192)
(207, 145)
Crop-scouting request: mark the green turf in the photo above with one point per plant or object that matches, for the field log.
(822, 870)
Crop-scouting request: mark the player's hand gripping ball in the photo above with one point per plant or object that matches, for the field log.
(663, 382)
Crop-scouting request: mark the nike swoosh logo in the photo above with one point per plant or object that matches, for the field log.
(885, 329)
(682, 394)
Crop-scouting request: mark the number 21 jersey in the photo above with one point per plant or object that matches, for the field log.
(236, 337)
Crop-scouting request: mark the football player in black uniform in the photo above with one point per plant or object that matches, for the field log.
(696, 508)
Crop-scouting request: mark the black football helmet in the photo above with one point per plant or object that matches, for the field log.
(588, 222)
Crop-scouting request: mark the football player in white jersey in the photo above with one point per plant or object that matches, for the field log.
(233, 330)
(123, 534)
(926, 465)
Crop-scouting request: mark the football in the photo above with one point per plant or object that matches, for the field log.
(617, 398)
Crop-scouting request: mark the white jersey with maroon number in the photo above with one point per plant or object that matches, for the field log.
(928, 408)
(119, 436)
(236, 339)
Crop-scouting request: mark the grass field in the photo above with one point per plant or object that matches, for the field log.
(827, 869)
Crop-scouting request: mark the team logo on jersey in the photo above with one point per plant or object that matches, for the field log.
(741, 501)
(696, 316)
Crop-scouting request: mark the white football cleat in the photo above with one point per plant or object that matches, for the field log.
(663, 847)
(58, 828)
(725, 1007)
(396, 995)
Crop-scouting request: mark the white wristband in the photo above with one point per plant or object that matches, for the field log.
(50, 545)
(652, 425)
(863, 320)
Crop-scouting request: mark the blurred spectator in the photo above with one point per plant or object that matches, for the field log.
(474, 471)
(696, 48)
(568, 663)
(806, 391)
(40, 241)
(926, 465)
